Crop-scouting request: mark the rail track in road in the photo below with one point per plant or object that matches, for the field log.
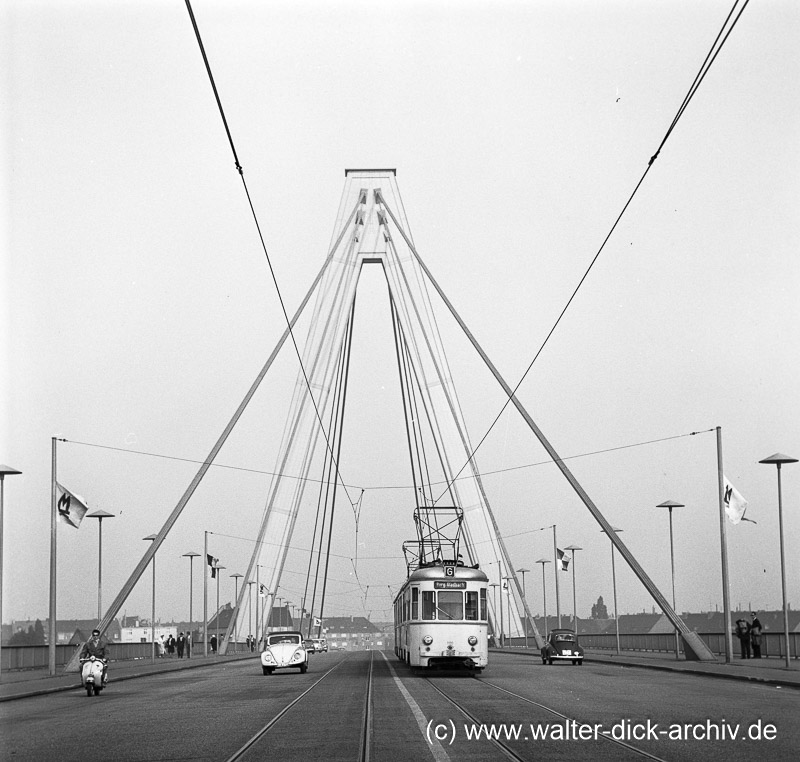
(361, 747)
(506, 749)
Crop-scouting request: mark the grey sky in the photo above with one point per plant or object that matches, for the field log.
(138, 307)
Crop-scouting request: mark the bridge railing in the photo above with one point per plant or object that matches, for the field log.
(772, 643)
(37, 657)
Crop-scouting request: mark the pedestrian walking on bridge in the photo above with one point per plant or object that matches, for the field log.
(743, 633)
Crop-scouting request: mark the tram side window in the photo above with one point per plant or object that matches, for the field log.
(451, 605)
(428, 604)
(415, 603)
(472, 605)
(484, 616)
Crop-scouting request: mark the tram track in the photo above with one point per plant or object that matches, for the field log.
(365, 737)
(504, 747)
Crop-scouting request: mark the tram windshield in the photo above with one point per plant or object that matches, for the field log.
(450, 605)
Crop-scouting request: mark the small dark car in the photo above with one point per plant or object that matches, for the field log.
(562, 645)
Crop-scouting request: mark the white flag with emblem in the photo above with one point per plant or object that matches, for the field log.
(735, 504)
(71, 507)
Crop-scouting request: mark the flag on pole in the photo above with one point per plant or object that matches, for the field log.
(262, 591)
(735, 504)
(213, 563)
(71, 507)
(563, 559)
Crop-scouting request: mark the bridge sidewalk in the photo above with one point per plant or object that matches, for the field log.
(35, 682)
(766, 671)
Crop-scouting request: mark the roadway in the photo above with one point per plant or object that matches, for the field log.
(366, 705)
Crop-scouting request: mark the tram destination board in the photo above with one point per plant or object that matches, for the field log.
(447, 584)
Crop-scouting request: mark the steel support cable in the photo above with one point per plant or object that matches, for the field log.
(287, 442)
(339, 449)
(691, 639)
(240, 170)
(698, 80)
(320, 539)
(317, 525)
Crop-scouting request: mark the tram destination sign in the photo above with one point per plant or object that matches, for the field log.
(449, 584)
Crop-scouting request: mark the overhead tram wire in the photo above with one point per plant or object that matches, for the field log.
(719, 41)
(240, 170)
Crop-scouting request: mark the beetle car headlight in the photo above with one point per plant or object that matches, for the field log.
(268, 657)
(427, 640)
(297, 656)
(472, 640)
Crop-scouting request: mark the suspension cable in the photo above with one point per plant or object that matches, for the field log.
(240, 170)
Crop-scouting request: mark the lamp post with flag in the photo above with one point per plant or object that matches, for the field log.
(507, 588)
(250, 607)
(191, 555)
(573, 549)
(556, 568)
(218, 569)
(236, 578)
(672, 504)
(544, 561)
(152, 537)
(100, 515)
(4, 471)
(779, 459)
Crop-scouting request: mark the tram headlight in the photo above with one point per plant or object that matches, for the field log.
(427, 640)
(472, 640)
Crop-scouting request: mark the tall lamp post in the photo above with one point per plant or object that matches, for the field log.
(544, 561)
(191, 555)
(100, 515)
(508, 601)
(4, 471)
(494, 587)
(153, 610)
(779, 459)
(523, 572)
(236, 578)
(574, 549)
(219, 569)
(250, 607)
(614, 587)
(672, 504)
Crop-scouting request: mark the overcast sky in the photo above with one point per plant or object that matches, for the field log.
(137, 305)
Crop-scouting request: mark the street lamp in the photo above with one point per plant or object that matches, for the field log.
(614, 586)
(544, 561)
(236, 578)
(4, 471)
(191, 555)
(100, 515)
(672, 504)
(523, 572)
(574, 548)
(153, 612)
(778, 459)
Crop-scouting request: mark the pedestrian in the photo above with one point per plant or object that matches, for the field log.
(171, 645)
(743, 633)
(755, 635)
(213, 643)
(180, 644)
(162, 648)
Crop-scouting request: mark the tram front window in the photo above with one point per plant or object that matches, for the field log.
(428, 604)
(451, 604)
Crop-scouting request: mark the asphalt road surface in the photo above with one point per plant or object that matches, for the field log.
(368, 706)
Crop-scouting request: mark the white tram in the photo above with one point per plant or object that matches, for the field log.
(441, 618)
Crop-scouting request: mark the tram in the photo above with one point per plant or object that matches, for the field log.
(441, 617)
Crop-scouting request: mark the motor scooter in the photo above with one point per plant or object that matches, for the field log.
(92, 675)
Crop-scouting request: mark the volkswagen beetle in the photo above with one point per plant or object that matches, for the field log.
(562, 645)
(284, 650)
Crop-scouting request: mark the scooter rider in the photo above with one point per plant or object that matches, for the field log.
(98, 648)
